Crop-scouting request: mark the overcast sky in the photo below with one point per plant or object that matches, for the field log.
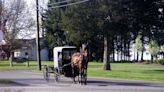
(32, 7)
(32, 3)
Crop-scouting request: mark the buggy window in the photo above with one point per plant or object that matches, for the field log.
(68, 52)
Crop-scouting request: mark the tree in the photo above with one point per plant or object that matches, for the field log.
(108, 25)
(138, 45)
(153, 49)
(162, 50)
(17, 23)
(147, 20)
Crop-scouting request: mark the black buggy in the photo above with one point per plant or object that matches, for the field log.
(62, 63)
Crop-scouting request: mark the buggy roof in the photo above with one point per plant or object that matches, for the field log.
(59, 49)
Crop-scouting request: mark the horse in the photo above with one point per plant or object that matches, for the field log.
(79, 63)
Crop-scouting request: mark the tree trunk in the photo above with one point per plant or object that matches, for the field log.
(152, 58)
(117, 49)
(137, 56)
(124, 50)
(106, 63)
(11, 58)
(134, 56)
(113, 55)
(113, 50)
(121, 49)
(142, 40)
(142, 55)
(128, 51)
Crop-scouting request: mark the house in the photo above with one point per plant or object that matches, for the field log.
(133, 54)
(28, 50)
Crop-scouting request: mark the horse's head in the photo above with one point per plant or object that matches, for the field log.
(84, 53)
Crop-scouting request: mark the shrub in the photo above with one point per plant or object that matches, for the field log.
(122, 61)
(160, 61)
(146, 62)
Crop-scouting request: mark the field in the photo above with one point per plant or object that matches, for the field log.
(130, 71)
(5, 65)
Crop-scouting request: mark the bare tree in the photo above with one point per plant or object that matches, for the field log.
(16, 22)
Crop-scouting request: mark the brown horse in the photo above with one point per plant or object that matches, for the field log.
(79, 66)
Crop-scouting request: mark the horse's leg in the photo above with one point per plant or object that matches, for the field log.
(85, 76)
(73, 75)
(79, 77)
(85, 73)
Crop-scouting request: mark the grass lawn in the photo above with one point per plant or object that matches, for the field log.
(33, 65)
(131, 71)
(134, 71)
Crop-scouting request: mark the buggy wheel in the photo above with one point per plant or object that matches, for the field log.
(56, 75)
(46, 73)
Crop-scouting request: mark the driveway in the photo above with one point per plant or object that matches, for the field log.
(27, 81)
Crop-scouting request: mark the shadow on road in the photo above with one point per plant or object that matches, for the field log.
(121, 83)
(90, 82)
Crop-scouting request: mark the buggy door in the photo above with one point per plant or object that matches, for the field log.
(66, 59)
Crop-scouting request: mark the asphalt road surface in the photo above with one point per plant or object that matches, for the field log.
(26, 81)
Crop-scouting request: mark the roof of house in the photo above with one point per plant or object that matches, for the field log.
(26, 43)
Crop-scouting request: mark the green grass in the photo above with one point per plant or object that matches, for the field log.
(33, 65)
(131, 71)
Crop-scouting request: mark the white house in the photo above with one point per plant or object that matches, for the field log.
(146, 53)
(133, 54)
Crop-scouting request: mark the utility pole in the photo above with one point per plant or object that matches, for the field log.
(0, 14)
(37, 18)
(37, 37)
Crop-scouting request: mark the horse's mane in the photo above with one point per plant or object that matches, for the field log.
(76, 54)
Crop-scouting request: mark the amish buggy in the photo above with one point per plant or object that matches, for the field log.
(68, 62)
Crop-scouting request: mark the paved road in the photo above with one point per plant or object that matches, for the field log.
(27, 81)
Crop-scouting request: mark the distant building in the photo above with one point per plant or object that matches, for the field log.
(133, 54)
(28, 49)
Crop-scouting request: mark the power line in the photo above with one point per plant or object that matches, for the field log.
(66, 1)
(37, 15)
(69, 4)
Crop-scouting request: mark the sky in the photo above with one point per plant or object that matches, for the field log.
(1, 35)
(32, 6)
(32, 3)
